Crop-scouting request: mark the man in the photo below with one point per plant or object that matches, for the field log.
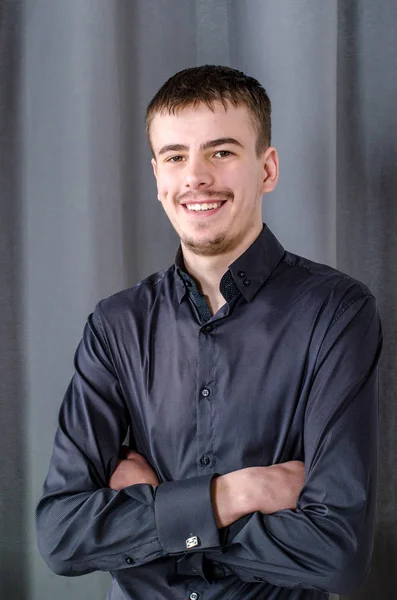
(247, 376)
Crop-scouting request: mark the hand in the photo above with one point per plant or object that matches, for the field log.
(132, 468)
(264, 489)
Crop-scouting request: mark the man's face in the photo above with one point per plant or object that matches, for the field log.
(209, 178)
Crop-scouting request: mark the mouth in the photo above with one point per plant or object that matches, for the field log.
(203, 208)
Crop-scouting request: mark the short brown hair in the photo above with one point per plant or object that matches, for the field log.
(209, 84)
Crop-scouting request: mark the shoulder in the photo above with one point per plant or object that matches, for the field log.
(322, 281)
(331, 301)
(131, 303)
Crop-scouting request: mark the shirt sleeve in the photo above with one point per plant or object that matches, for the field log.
(82, 525)
(326, 543)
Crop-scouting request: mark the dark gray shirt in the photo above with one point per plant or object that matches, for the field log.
(285, 370)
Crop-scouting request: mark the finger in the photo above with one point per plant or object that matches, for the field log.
(134, 454)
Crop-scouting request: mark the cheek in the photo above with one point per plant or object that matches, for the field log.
(252, 183)
(241, 176)
(241, 182)
(165, 186)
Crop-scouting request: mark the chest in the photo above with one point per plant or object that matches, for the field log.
(226, 395)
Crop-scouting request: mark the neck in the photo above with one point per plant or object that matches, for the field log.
(209, 270)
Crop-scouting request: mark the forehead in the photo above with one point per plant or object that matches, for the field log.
(195, 124)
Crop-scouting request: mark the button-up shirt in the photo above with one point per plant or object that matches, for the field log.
(285, 370)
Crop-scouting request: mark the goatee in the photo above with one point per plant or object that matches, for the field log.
(219, 244)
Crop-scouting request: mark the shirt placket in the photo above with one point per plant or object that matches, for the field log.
(205, 400)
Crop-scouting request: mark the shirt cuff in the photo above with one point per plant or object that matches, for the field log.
(184, 515)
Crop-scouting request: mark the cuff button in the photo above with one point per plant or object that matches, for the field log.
(192, 542)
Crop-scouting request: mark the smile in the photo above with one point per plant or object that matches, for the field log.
(203, 206)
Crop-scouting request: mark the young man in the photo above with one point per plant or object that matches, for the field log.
(247, 375)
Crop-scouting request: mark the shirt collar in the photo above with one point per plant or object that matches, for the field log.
(249, 271)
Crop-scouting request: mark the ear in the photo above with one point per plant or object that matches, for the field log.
(270, 167)
(154, 165)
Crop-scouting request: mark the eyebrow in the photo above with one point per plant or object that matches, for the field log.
(205, 146)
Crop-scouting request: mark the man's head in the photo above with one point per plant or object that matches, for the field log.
(209, 130)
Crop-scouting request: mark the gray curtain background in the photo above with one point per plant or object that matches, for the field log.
(79, 218)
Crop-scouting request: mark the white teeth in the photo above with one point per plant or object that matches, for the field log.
(203, 206)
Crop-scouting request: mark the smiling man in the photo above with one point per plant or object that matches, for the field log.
(247, 376)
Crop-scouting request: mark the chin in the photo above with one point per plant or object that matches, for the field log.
(208, 246)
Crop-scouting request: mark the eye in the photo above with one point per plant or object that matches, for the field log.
(224, 153)
(174, 159)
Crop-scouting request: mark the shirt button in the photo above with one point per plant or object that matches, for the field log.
(241, 274)
(208, 327)
(129, 560)
(205, 460)
(246, 282)
(205, 392)
(194, 596)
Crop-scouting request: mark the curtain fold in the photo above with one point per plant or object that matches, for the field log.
(13, 474)
(367, 225)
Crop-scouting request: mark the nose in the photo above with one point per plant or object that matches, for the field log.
(198, 174)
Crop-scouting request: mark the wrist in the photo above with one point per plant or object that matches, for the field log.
(247, 497)
(232, 497)
(221, 501)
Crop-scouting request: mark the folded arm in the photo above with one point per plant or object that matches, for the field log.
(326, 541)
(82, 524)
